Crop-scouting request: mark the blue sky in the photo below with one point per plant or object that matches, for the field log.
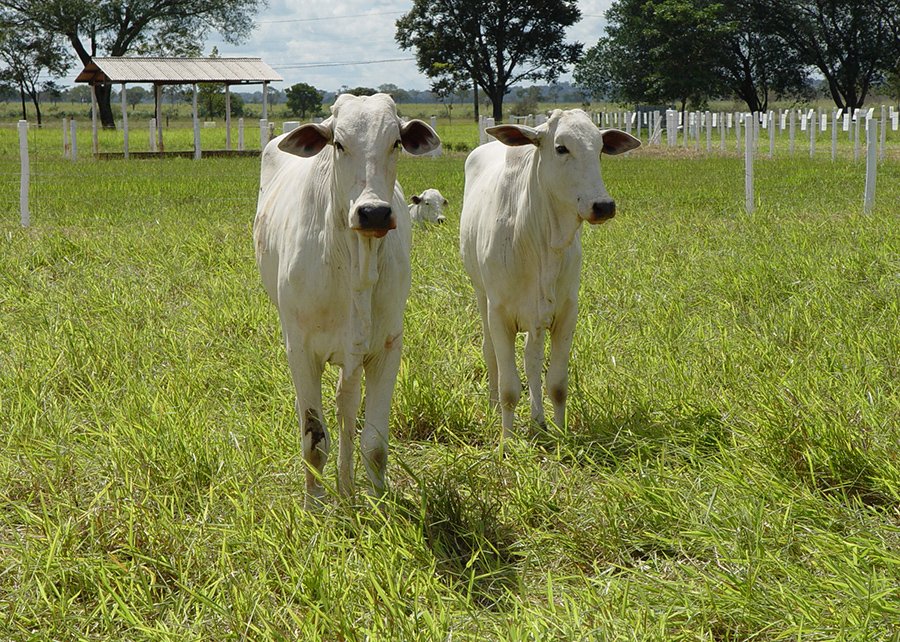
(309, 42)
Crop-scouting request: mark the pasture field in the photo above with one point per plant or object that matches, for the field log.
(731, 468)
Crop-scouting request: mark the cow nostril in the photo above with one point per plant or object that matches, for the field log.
(604, 209)
(374, 217)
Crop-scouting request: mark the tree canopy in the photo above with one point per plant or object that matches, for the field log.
(142, 27)
(495, 43)
(304, 99)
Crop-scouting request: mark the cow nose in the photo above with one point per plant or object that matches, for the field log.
(374, 217)
(604, 210)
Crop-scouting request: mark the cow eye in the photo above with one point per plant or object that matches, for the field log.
(338, 146)
(562, 149)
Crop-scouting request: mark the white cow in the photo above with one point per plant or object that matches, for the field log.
(428, 207)
(525, 198)
(332, 237)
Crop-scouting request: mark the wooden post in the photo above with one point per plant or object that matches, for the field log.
(95, 147)
(791, 128)
(835, 114)
(227, 117)
(871, 165)
(124, 121)
(73, 131)
(196, 121)
(263, 133)
(67, 148)
(749, 203)
(265, 105)
(159, 121)
(240, 134)
(25, 175)
(813, 126)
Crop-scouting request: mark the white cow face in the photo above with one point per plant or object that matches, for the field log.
(569, 145)
(428, 207)
(365, 136)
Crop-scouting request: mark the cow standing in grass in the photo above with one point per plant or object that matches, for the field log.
(332, 238)
(525, 198)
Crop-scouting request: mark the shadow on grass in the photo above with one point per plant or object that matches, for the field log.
(460, 516)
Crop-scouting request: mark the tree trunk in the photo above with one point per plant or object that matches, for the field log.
(22, 96)
(475, 93)
(104, 95)
(497, 104)
(37, 106)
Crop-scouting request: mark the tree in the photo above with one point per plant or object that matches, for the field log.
(852, 43)
(160, 27)
(26, 53)
(756, 62)
(303, 99)
(448, 83)
(136, 95)
(657, 51)
(498, 43)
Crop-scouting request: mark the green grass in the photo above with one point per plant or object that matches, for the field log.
(730, 472)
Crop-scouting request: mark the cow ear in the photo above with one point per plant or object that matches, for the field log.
(307, 140)
(615, 141)
(418, 138)
(515, 135)
(416, 200)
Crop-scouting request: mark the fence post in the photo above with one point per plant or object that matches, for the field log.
(73, 131)
(883, 133)
(196, 122)
(871, 165)
(66, 145)
(748, 167)
(771, 124)
(813, 126)
(263, 133)
(792, 128)
(858, 116)
(835, 114)
(25, 179)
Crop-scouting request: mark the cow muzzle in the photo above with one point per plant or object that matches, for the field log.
(373, 220)
(602, 211)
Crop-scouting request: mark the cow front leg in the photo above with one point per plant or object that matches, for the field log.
(561, 336)
(503, 337)
(381, 375)
(487, 349)
(306, 374)
(534, 363)
(348, 398)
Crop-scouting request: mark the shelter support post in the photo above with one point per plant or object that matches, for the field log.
(94, 139)
(227, 117)
(124, 121)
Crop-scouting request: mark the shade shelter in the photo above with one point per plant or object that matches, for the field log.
(176, 71)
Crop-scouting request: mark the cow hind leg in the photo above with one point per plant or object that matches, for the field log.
(381, 375)
(348, 399)
(534, 363)
(487, 349)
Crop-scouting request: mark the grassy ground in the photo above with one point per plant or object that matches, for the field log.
(730, 472)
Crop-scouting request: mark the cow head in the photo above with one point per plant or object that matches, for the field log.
(364, 135)
(428, 207)
(569, 147)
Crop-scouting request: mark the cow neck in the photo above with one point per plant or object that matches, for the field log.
(364, 275)
(550, 229)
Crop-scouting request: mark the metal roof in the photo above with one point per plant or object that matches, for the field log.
(177, 70)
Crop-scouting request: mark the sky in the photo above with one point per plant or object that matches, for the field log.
(313, 42)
